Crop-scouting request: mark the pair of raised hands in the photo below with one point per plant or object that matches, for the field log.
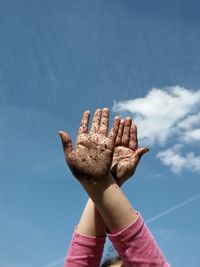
(98, 154)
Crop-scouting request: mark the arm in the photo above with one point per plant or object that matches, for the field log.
(125, 160)
(127, 230)
(91, 223)
(88, 240)
(118, 214)
(83, 253)
(111, 203)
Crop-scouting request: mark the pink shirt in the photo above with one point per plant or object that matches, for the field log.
(135, 245)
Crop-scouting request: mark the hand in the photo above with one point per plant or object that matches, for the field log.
(126, 153)
(92, 157)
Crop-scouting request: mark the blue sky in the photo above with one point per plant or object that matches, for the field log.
(58, 58)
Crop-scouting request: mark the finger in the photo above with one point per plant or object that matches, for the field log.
(66, 142)
(138, 154)
(84, 123)
(96, 121)
(104, 122)
(113, 133)
(118, 141)
(126, 132)
(133, 142)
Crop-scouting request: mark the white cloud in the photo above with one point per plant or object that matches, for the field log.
(168, 114)
(192, 135)
(158, 114)
(188, 128)
(177, 162)
(190, 121)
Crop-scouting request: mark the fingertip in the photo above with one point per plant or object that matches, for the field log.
(128, 118)
(143, 150)
(128, 122)
(117, 118)
(87, 112)
(97, 113)
(60, 133)
(121, 125)
(117, 121)
(64, 136)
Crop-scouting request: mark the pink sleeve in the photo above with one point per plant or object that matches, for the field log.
(84, 251)
(137, 247)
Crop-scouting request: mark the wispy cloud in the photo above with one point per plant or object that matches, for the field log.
(190, 121)
(171, 113)
(175, 207)
(192, 135)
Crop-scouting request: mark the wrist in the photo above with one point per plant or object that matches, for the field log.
(95, 188)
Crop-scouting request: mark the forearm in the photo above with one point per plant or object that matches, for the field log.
(91, 222)
(114, 207)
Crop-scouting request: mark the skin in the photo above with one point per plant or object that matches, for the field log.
(126, 158)
(117, 153)
(126, 153)
(92, 157)
(117, 264)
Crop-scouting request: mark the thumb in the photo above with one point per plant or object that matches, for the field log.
(138, 154)
(141, 151)
(66, 142)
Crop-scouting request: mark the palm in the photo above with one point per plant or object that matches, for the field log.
(92, 156)
(122, 160)
(126, 153)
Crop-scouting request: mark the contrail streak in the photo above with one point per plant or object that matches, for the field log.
(182, 204)
(148, 221)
